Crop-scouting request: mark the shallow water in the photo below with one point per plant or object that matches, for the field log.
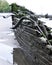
(7, 40)
(6, 53)
(47, 21)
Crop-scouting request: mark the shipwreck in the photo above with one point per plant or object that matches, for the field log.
(34, 37)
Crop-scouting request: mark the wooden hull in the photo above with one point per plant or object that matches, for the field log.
(35, 51)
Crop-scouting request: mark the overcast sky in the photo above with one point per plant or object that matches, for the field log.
(38, 6)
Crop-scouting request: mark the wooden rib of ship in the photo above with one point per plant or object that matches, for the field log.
(33, 36)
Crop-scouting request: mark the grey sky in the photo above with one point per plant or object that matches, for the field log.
(38, 6)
